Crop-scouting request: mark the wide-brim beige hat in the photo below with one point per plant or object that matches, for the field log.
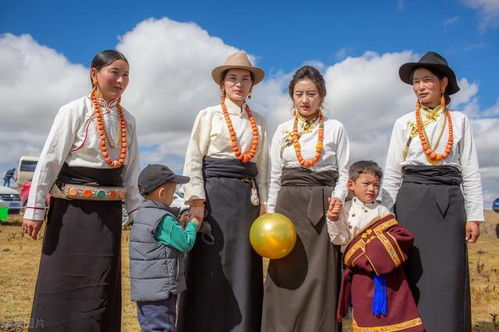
(238, 60)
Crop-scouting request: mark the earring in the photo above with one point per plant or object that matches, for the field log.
(222, 92)
(249, 96)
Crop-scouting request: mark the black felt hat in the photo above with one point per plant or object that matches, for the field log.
(434, 62)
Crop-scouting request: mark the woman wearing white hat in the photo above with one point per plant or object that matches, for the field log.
(433, 180)
(227, 161)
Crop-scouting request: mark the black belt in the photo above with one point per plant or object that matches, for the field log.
(439, 180)
(300, 176)
(228, 168)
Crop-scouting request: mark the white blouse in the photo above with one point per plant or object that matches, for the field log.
(354, 218)
(74, 139)
(210, 137)
(334, 156)
(402, 152)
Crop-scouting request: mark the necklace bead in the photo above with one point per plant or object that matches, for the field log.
(318, 148)
(430, 153)
(244, 157)
(102, 133)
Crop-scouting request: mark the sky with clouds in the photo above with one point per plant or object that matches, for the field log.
(46, 48)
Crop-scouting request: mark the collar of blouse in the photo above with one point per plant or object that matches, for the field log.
(233, 108)
(104, 103)
(432, 113)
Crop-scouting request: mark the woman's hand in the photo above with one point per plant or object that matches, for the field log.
(334, 210)
(197, 209)
(472, 231)
(32, 227)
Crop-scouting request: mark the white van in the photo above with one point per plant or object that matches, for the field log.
(26, 168)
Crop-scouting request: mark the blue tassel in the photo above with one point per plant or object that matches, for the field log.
(380, 303)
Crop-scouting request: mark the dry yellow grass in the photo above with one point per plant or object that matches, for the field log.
(19, 256)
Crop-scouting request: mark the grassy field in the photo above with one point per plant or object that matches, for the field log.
(19, 256)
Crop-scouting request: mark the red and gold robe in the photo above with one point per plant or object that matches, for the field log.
(380, 249)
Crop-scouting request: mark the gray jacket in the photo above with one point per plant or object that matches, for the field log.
(156, 270)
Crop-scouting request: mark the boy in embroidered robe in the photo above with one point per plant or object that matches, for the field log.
(375, 248)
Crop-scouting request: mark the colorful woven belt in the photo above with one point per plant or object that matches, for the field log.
(91, 193)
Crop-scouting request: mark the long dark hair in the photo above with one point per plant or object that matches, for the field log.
(105, 58)
(311, 73)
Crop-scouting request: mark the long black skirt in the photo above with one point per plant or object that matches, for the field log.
(431, 205)
(79, 279)
(224, 279)
(301, 289)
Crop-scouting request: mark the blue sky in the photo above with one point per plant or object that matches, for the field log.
(282, 34)
(46, 48)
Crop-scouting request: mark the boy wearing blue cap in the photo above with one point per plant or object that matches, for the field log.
(158, 243)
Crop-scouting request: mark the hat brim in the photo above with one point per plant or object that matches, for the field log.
(180, 179)
(258, 73)
(405, 74)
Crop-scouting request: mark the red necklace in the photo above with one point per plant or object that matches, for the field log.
(102, 133)
(244, 157)
(430, 153)
(318, 148)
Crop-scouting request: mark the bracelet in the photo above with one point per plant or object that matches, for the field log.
(196, 204)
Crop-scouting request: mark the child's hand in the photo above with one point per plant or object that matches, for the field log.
(184, 218)
(335, 206)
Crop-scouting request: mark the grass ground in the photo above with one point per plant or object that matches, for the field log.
(19, 256)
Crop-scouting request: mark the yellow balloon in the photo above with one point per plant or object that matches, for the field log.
(273, 235)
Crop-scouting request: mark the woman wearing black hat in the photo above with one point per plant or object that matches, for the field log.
(433, 181)
(227, 162)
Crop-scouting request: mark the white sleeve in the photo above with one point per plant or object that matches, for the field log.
(472, 184)
(342, 157)
(55, 151)
(392, 178)
(262, 179)
(193, 165)
(338, 230)
(131, 173)
(275, 170)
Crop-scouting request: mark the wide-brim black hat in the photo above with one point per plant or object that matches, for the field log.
(434, 62)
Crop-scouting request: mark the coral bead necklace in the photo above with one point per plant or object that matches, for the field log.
(244, 157)
(102, 132)
(432, 156)
(318, 148)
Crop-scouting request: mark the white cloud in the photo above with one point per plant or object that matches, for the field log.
(343, 53)
(34, 83)
(400, 5)
(171, 65)
(488, 11)
(450, 20)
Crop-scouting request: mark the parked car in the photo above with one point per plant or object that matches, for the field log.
(25, 169)
(495, 205)
(10, 197)
(24, 193)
